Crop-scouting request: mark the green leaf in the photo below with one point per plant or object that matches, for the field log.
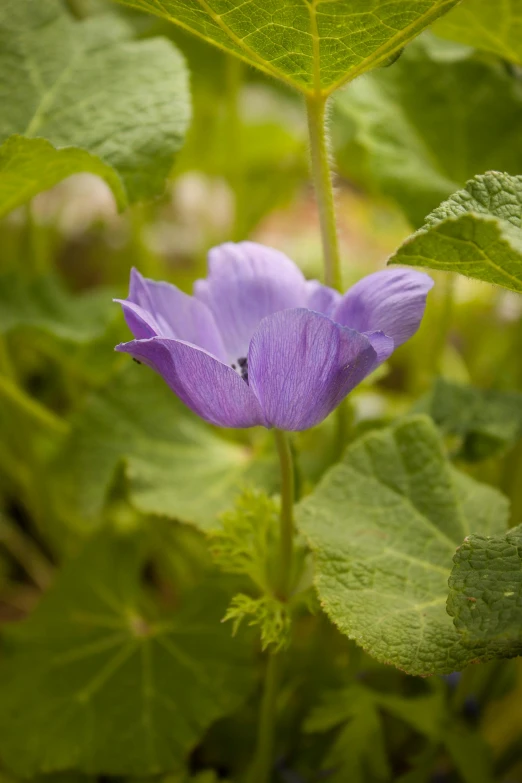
(486, 420)
(98, 681)
(28, 166)
(175, 465)
(418, 131)
(384, 525)
(477, 232)
(493, 27)
(55, 86)
(44, 304)
(485, 597)
(315, 46)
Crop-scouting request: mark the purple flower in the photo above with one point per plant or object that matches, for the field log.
(259, 344)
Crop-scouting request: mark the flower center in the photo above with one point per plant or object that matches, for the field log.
(242, 364)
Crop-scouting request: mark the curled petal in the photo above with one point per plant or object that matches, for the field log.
(207, 386)
(177, 314)
(382, 345)
(390, 301)
(141, 323)
(246, 283)
(321, 298)
(301, 365)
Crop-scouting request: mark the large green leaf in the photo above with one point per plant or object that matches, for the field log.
(98, 681)
(419, 130)
(384, 525)
(44, 304)
(485, 597)
(175, 465)
(315, 46)
(87, 85)
(487, 421)
(28, 166)
(477, 232)
(492, 26)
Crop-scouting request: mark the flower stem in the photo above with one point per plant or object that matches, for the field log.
(287, 512)
(322, 176)
(264, 756)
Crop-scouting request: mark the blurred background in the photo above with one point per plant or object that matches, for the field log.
(87, 438)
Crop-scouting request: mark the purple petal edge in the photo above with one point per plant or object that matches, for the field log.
(208, 387)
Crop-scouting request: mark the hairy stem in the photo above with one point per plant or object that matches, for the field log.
(322, 176)
(264, 757)
(234, 79)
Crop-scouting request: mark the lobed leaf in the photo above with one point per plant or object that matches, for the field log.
(485, 597)
(477, 232)
(174, 464)
(314, 46)
(418, 131)
(384, 525)
(97, 681)
(492, 27)
(55, 85)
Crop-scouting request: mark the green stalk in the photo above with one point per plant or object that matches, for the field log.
(264, 756)
(322, 177)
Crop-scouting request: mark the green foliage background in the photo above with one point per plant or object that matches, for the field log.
(128, 527)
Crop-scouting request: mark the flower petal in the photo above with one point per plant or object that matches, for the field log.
(207, 386)
(390, 301)
(246, 283)
(301, 365)
(177, 314)
(321, 298)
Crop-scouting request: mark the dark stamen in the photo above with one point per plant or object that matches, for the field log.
(135, 360)
(243, 366)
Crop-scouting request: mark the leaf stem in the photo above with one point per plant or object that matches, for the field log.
(264, 756)
(322, 177)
